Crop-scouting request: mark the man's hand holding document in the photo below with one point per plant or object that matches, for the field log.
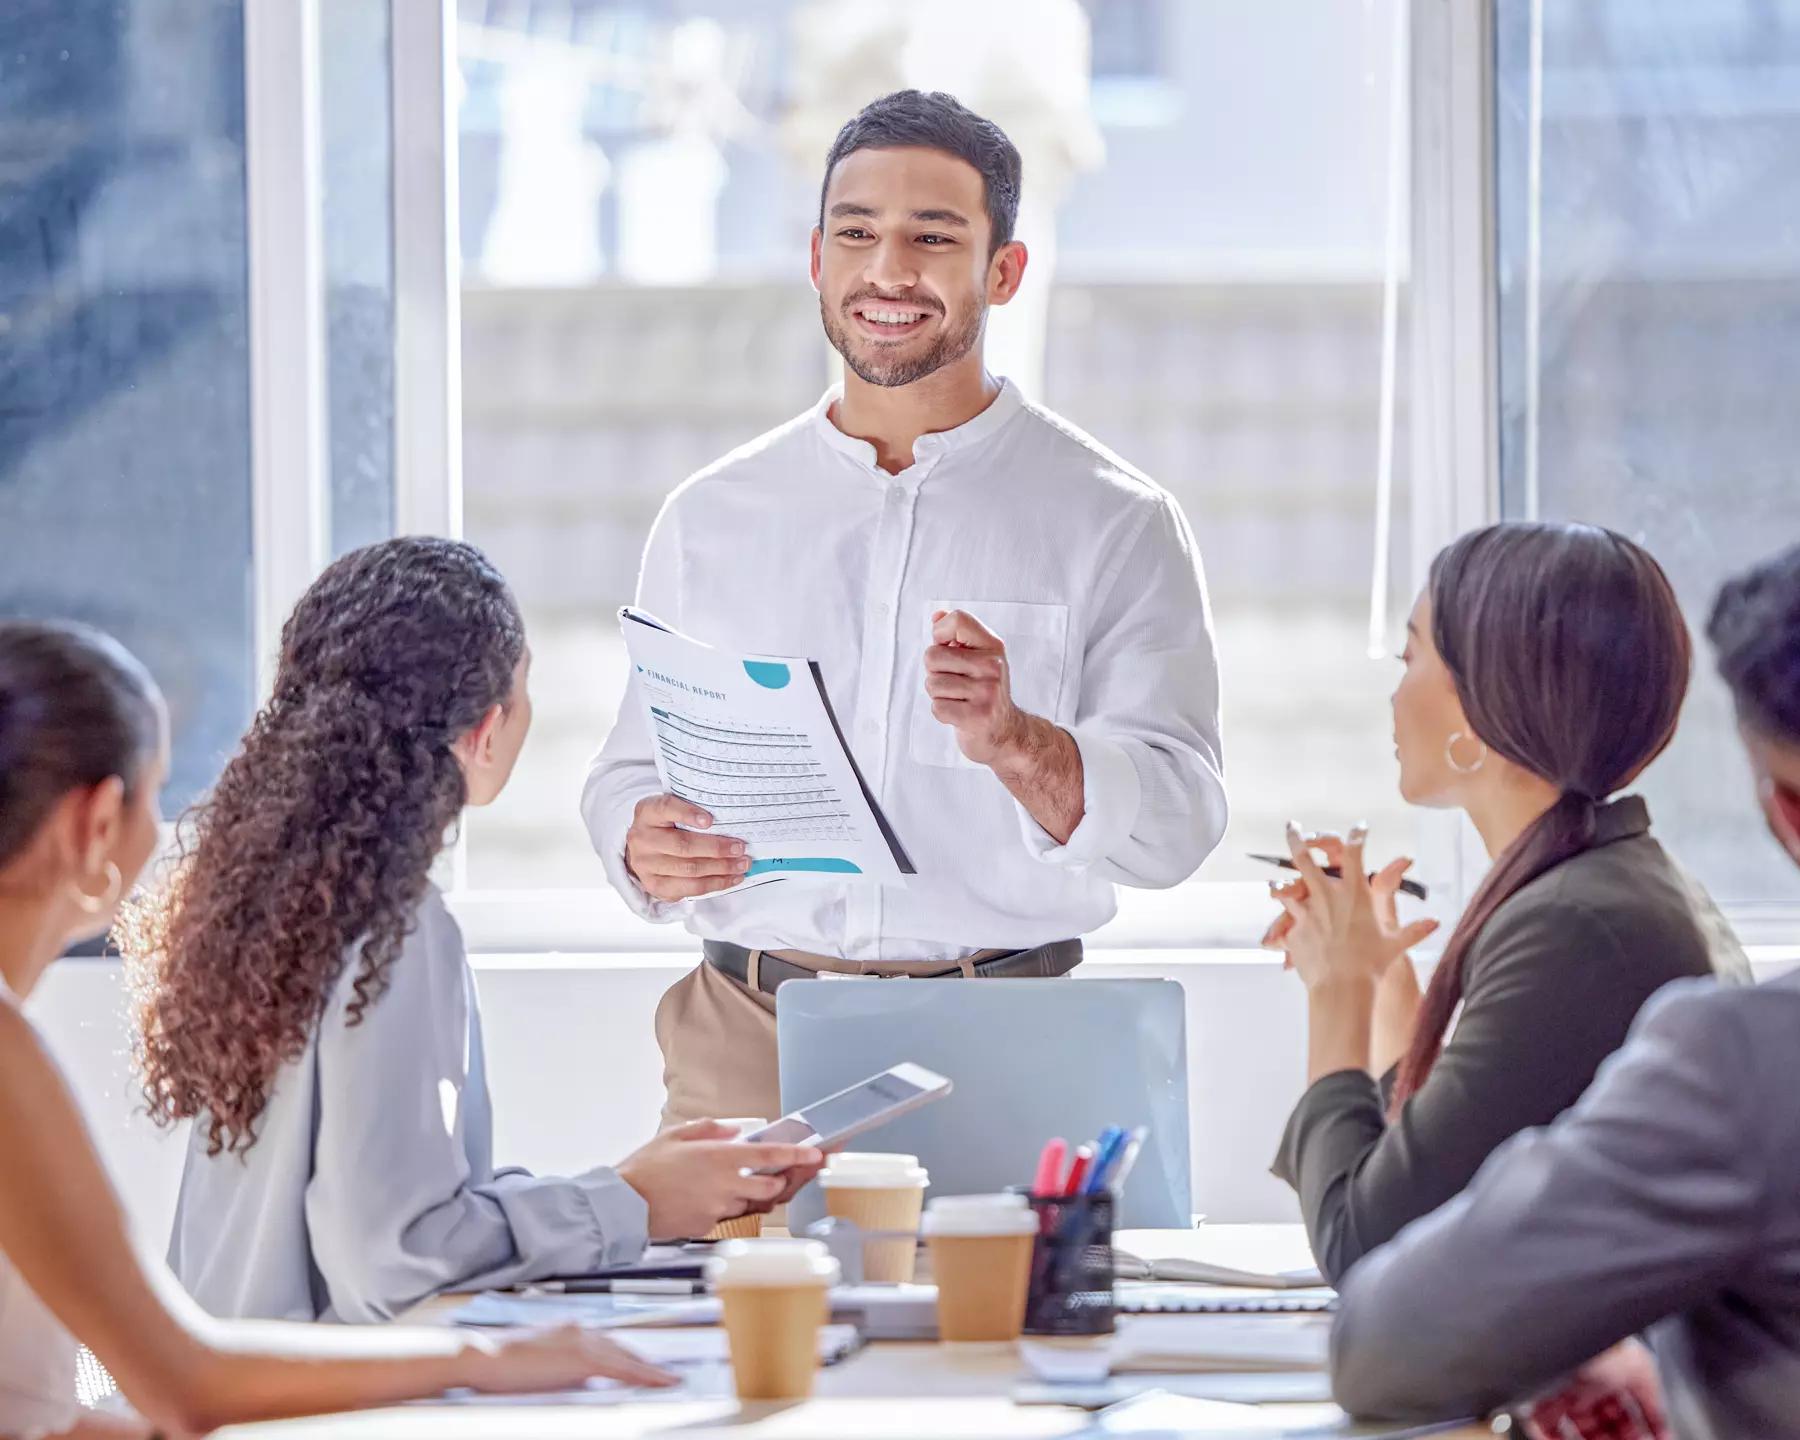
(751, 741)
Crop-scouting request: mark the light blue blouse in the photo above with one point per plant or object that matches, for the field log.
(371, 1184)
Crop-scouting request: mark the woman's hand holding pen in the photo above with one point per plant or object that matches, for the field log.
(1342, 940)
(1335, 927)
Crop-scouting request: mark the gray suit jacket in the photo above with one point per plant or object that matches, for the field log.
(1550, 988)
(1667, 1201)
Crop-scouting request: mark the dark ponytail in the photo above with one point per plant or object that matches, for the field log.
(1571, 659)
(76, 708)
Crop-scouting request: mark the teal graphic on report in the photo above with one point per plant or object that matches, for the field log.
(751, 740)
(821, 865)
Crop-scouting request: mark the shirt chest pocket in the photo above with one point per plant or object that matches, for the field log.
(1037, 642)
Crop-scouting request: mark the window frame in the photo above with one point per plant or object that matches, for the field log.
(290, 483)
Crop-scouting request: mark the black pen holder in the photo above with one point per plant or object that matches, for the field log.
(1071, 1266)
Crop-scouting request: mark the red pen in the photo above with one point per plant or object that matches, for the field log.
(1050, 1168)
(1078, 1169)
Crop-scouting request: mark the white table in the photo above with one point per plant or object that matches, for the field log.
(888, 1391)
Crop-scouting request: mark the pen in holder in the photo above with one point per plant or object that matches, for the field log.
(1072, 1266)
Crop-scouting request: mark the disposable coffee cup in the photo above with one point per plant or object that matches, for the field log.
(879, 1192)
(981, 1258)
(776, 1296)
(744, 1227)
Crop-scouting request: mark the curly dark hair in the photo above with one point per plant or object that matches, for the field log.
(319, 837)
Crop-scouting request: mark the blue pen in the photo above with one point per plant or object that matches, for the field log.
(1134, 1144)
(1106, 1155)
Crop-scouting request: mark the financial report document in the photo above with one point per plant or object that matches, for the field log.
(751, 740)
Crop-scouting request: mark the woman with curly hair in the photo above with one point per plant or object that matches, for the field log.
(306, 998)
(83, 752)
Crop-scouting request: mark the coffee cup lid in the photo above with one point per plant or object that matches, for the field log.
(872, 1170)
(979, 1215)
(772, 1262)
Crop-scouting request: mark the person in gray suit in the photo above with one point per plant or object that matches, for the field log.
(1666, 1203)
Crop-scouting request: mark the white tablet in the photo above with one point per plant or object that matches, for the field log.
(828, 1123)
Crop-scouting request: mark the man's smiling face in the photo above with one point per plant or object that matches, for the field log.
(902, 262)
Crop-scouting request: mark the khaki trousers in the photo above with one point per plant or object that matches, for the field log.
(718, 1037)
(718, 1044)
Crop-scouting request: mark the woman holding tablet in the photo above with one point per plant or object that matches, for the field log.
(83, 751)
(308, 1002)
(1545, 668)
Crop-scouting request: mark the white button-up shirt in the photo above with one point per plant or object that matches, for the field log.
(800, 544)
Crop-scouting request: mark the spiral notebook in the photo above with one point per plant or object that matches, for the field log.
(1179, 1299)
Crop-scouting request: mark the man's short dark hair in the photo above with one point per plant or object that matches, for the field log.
(1755, 628)
(936, 121)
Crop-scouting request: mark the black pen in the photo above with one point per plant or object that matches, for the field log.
(1410, 887)
(621, 1286)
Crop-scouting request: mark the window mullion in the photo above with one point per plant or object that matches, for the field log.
(427, 323)
(290, 494)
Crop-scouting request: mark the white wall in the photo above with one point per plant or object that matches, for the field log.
(577, 1078)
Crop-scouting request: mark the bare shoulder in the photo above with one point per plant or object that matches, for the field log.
(28, 1068)
(15, 1030)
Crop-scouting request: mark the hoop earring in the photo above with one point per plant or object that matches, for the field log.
(1450, 753)
(94, 904)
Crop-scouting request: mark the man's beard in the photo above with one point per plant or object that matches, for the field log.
(951, 346)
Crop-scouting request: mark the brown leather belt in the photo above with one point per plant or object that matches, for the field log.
(768, 970)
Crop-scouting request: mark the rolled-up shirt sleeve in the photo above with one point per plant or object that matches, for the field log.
(394, 1210)
(1147, 723)
(1636, 1204)
(624, 772)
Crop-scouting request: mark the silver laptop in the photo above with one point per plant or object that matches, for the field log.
(1029, 1059)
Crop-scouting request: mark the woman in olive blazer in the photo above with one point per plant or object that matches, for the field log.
(1545, 668)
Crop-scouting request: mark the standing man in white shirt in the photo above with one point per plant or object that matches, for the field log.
(1011, 621)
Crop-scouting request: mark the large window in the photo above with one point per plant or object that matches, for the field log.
(1343, 278)
(1648, 201)
(1211, 257)
(126, 329)
(125, 493)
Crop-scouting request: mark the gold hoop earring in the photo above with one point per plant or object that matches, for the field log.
(1450, 753)
(94, 904)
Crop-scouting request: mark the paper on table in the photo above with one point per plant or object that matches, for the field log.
(597, 1311)
(1255, 1387)
(700, 1357)
(1221, 1342)
(1158, 1413)
(752, 740)
(710, 1347)
(1191, 1343)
